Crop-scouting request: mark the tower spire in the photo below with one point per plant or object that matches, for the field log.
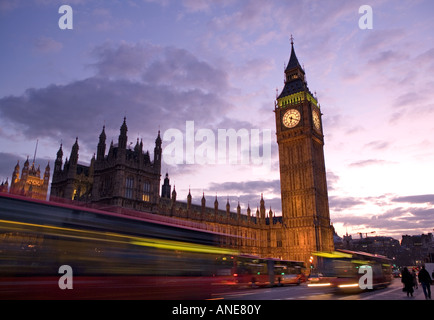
(101, 145)
(295, 79)
(122, 142)
(293, 61)
(36, 148)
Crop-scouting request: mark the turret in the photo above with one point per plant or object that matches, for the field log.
(101, 145)
(122, 142)
(47, 175)
(203, 202)
(189, 200)
(173, 195)
(216, 205)
(25, 172)
(157, 153)
(73, 159)
(16, 174)
(92, 166)
(165, 189)
(58, 162)
(262, 208)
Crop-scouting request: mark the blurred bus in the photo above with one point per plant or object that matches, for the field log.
(112, 256)
(340, 269)
(252, 271)
(289, 272)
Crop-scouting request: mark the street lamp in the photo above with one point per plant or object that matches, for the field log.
(311, 261)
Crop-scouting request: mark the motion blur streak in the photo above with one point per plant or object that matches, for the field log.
(102, 236)
(319, 284)
(112, 256)
(351, 285)
(340, 269)
(116, 256)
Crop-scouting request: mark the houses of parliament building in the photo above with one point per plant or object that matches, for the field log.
(130, 179)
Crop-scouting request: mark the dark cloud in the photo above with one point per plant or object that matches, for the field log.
(155, 87)
(378, 145)
(369, 162)
(332, 180)
(397, 220)
(339, 204)
(383, 58)
(409, 99)
(158, 66)
(47, 45)
(380, 42)
(252, 187)
(425, 198)
(405, 219)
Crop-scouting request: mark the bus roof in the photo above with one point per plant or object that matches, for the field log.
(128, 214)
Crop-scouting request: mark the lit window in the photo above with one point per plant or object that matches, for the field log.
(146, 192)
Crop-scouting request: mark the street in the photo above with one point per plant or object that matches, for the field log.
(303, 292)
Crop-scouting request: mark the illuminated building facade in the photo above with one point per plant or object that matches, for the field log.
(299, 130)
(30, 183)
(127, 178)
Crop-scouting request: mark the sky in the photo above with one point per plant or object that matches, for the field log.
(195, 68)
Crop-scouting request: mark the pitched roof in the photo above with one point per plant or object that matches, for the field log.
(293, 61)
(292, 87)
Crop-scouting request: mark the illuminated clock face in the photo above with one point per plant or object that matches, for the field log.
(316, 121)
(291, 118)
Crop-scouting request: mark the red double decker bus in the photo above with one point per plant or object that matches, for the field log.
(251, 271)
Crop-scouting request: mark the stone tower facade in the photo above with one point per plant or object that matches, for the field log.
(305, 208)
(126, 177)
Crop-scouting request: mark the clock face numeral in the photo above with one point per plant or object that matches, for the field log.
(316, 120)
(291, 118)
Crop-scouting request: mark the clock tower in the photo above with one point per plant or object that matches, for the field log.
(299, 130)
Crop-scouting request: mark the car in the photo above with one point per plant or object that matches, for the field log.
(318, 280)
(291, 279)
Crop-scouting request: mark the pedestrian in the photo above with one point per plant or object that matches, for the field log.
(407, 280)
(425, 281)
(414, 275)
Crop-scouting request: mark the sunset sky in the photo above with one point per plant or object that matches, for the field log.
(217, 64)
